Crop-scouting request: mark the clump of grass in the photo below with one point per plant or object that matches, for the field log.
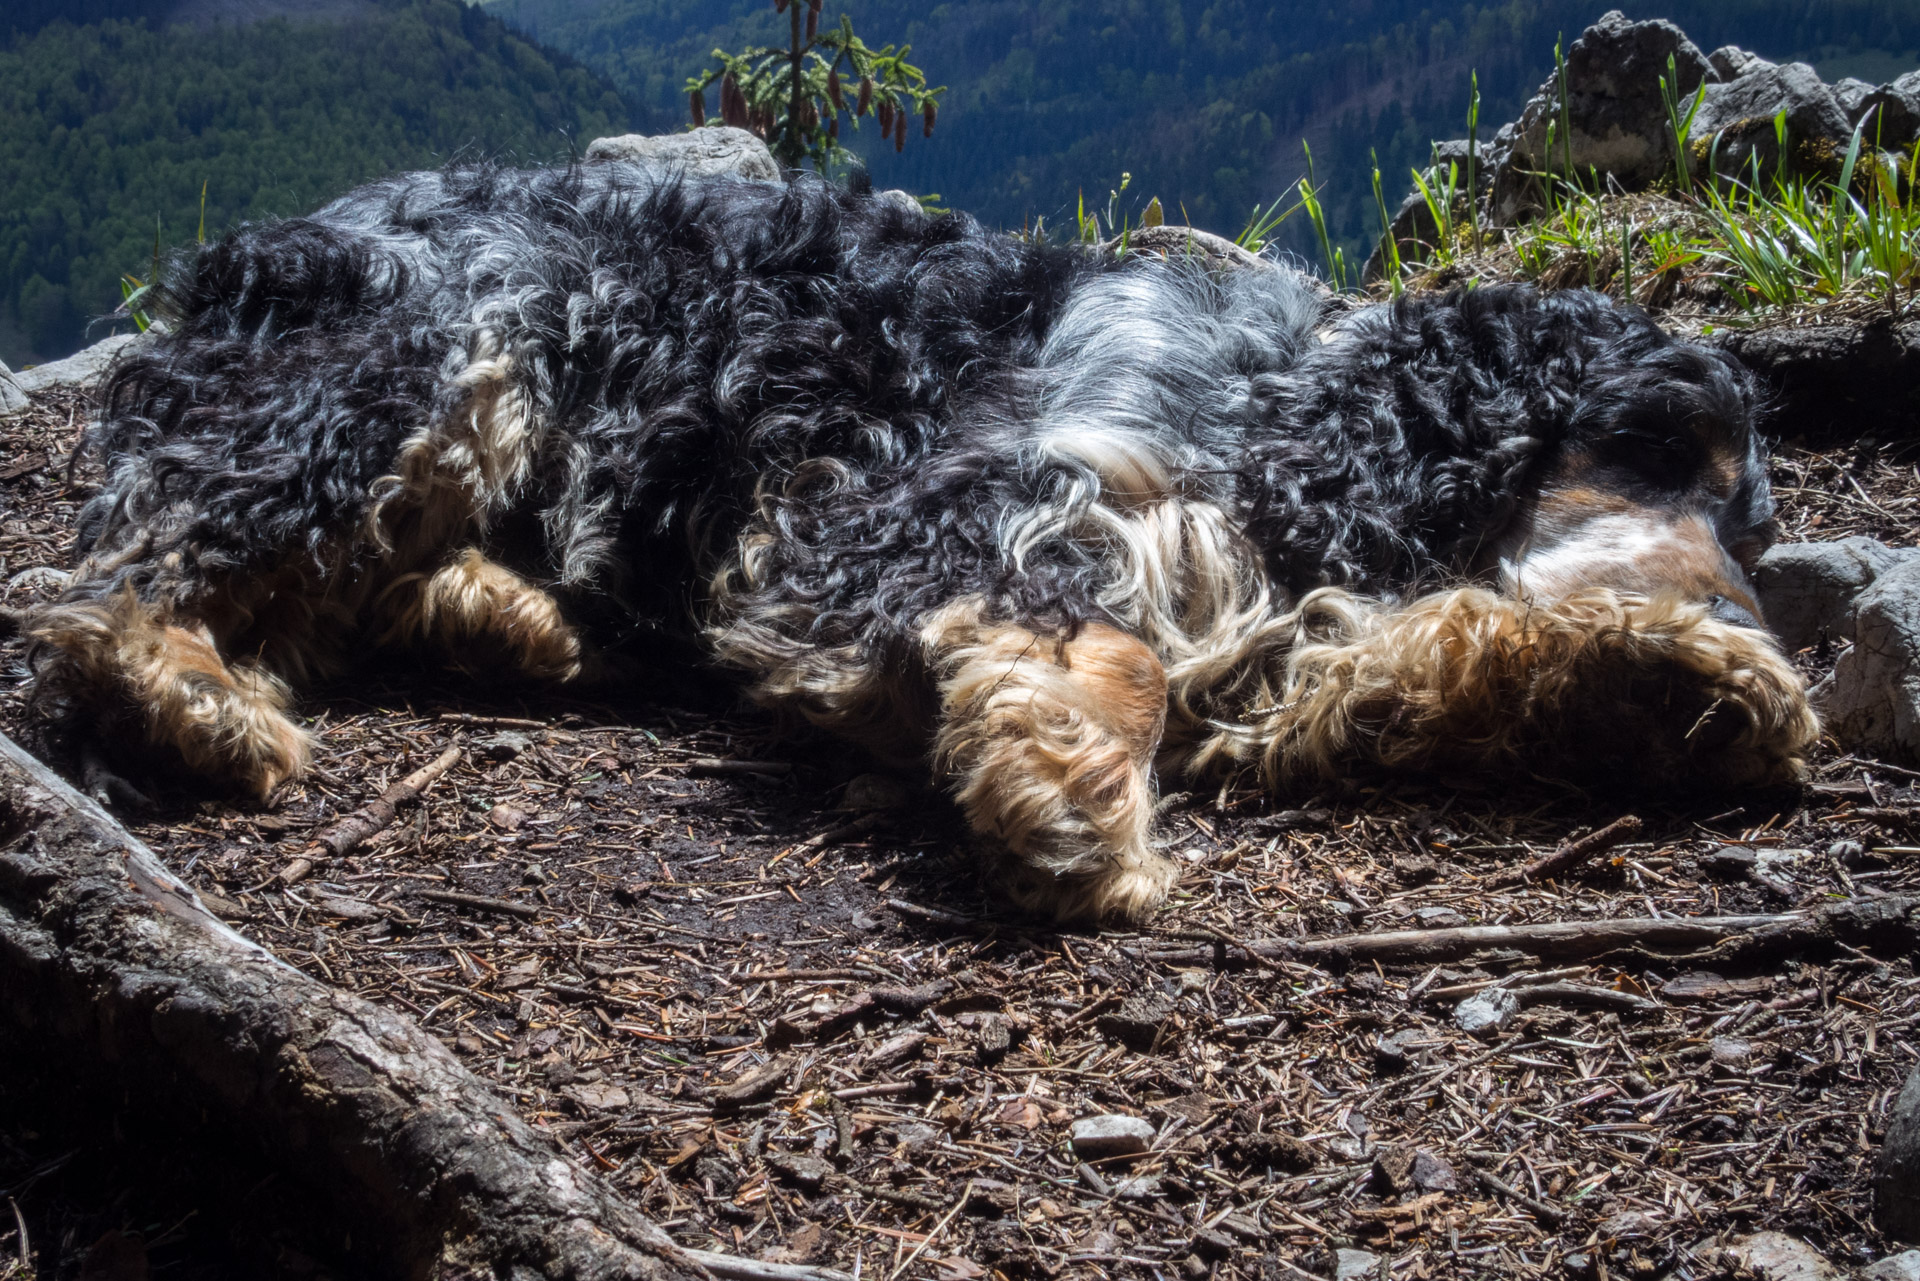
(1755, 242)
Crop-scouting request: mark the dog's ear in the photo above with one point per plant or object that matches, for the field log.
(860, 181)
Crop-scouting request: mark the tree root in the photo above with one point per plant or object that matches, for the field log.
(110, 964)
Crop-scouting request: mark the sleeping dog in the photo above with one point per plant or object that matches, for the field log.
(1054, 519)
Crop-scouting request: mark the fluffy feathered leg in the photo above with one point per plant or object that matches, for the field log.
(482, 612)
(1049, 743)
(1593, 685)
(225, 719)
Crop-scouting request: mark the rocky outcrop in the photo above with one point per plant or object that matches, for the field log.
(1830, 381)
(1734, 127)
(1616, 122)
(1871, 702)
(1613, 104)
(1865, 592)
(703, 152)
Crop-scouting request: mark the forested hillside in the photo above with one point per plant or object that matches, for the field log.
(113, 128)
(1203, 101)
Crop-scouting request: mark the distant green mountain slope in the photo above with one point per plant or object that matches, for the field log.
(112, 128)
(1203, 101)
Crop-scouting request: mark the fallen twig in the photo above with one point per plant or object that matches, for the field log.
(481, 903)
(1551, 1213)
(853, 827)
(719, 767)
(735, 1268)
(357, 828)
(1572, 854)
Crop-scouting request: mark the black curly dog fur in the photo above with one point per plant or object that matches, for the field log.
(1054, 518)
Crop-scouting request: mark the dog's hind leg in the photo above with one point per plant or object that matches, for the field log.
(483, 613)
(1049, 741)
(225, 719)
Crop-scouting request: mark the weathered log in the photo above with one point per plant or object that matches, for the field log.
(111, 964)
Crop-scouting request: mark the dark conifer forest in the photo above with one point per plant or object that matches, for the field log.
(116, 122)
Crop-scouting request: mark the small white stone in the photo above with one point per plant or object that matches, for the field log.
(1098, 1137)
(1775, 1256)
(1354, 1265)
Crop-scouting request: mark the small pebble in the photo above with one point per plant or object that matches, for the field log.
(1486, 1011)
(1099, 1137)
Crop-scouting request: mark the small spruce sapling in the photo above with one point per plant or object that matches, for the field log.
(794, 97)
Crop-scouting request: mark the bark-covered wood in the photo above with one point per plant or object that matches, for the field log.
(1889, 922)
(109, 962)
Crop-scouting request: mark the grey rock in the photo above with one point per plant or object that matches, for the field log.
(1892, 112)
(1141, 1187)
(1457, 151)
(808, 1172)
(1730, 1053)
(1904, 1266)
(1736, 120)
(1434, 1174)
(1438, 918)
(1729, 861)
(1098, 1137)
(1871, 701)
(504, 746)
(868, 792)
(1896, 1168)
(1354, 1265)
(1833, 378)
(1730, 62)
(1618, 118)
(900, 199)
(1806, 589)
(1775, 1256)
(12, 399)
(709, 151)
(1852, 96)
(1413, 230)
(1487, 1011)
(1137, 1022)
(78, 371)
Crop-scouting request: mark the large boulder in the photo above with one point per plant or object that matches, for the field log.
(1735, 123)
(1835, 379)
(1871, 702)
(1896, 1168)
(78, 372)
(1619, 120)
(1892, 112)
(1807, 591)
(12, 399)
(704, 152)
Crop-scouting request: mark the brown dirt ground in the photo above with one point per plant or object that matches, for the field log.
(640, 931)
